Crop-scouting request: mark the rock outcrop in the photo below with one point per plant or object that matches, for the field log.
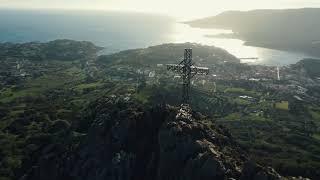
(129, 142)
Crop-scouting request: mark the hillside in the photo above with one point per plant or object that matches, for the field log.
(169, 53)
(292, 29)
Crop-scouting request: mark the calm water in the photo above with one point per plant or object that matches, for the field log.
(120, 31)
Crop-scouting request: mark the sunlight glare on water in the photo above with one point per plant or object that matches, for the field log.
(185, 33)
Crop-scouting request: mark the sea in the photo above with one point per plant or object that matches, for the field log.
(117, 31)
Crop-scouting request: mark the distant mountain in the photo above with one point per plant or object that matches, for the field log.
(63, 50)
(310, 66)
(292, 29)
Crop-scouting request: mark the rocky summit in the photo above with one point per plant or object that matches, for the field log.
(126, 140)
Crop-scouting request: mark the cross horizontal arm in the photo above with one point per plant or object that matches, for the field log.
(194, 69)
(199, 70)
(174, 67)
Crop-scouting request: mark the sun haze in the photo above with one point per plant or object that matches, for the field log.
(177, 8)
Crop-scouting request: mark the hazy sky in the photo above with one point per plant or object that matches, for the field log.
(178, 8)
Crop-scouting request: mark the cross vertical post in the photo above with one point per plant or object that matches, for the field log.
(186, 75)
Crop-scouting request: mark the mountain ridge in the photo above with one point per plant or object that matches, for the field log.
(129, 141)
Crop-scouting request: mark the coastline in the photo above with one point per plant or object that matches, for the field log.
(309, 49)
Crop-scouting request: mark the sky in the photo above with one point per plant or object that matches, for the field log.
(184, 9)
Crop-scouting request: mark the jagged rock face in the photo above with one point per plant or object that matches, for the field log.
(191, 150)
(127, 142)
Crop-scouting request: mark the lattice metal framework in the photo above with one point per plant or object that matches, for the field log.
(187, 70)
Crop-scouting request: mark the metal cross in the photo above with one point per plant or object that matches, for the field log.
(187, 70)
